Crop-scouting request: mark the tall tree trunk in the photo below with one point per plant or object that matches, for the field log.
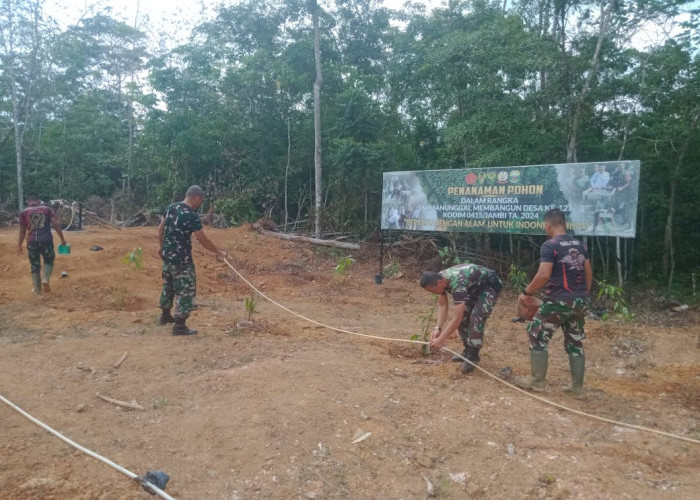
(9, 47)
(286, 173)
(593, 70)
(668, 260)
(318, 231)
(464, 145)
(366, 207)
(20, 117)
(618, 256)
(18, 140)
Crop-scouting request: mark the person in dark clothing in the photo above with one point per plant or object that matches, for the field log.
(566, 271)
(35, 224)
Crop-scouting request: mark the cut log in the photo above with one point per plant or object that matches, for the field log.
(313, 241)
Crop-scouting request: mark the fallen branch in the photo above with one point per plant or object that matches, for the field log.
(121, 360)
(121, 404)
(430, 489)
(315, 241)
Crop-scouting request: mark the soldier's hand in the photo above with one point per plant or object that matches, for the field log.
(527, 306)
(437, 343)
(527, 300)
(19, 250)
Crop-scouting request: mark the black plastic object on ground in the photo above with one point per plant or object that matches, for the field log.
(96, 248)
(155, 477)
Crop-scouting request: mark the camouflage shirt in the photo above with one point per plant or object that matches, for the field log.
(180, 222)
(464, 281)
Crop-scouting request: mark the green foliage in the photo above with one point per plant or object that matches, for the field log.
(251, 303)
(615, 296)
(342, 267)
(426, 321)
(237, 210)
(450, 257)
(517, 278)
(471, 84)
(393, 268)
(134, 260)
(161, 402)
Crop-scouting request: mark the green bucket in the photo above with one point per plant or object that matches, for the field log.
(64, 249)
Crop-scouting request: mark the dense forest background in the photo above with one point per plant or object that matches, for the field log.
(98, 111)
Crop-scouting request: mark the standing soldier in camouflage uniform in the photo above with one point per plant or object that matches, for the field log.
(35, 223)
(475, 292)
(179, 279)
(566, 270)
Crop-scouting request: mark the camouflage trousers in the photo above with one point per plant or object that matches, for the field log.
(38, 250)
(476, 312)
(569, 314)
(179, 284)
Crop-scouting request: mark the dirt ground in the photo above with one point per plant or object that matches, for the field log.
(270, 408)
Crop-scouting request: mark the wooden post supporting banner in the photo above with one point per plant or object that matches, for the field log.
(378, 276)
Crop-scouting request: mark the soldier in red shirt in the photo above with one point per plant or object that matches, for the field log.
(35, 223)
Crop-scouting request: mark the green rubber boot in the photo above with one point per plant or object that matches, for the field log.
(577, 365)
(538, 367)
(48, 271)
(36, 282)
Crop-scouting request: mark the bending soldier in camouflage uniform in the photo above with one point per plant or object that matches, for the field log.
(35, 223)
(179, 278)
(566, 270)
(475, 292)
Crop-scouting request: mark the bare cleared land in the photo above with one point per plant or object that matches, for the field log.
(270, 408)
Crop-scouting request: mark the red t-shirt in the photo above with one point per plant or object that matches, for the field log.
(37, 222)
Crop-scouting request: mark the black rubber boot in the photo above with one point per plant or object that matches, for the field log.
(166, 318)
(473, 356)
(180, 328)
(457, 359)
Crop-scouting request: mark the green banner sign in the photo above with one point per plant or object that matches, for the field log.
(598, 198)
